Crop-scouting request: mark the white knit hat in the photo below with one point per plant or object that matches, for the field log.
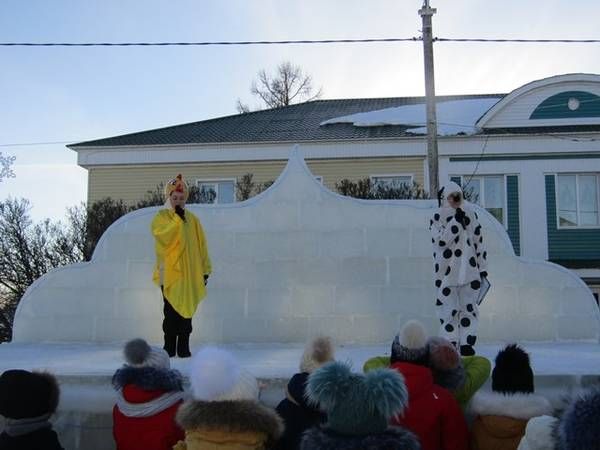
(139, 354)
(216, 376)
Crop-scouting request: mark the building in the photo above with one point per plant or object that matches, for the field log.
(530, 157)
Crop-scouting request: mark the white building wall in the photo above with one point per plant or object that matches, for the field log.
(532, 199)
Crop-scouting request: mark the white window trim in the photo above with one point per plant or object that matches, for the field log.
(391, 175)
(577, 174)
(200, 181)
(505, 203)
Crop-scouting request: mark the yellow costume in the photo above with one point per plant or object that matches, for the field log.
(182, 258)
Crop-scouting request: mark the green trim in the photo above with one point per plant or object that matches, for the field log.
(526, 157)
(512, 214)
(570, 248)
(578, 264)
(556, 107)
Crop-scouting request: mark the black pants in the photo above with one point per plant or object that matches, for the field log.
(173, 323)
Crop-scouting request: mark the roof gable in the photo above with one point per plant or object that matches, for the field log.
(559, 101)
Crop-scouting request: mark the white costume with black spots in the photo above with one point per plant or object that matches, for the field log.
(459, 259)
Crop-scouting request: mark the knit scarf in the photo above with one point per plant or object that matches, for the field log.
(150, 408)
(20, 427)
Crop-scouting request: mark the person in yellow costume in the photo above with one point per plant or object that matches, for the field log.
(182, 266)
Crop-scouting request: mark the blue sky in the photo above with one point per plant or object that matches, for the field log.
(73, 94)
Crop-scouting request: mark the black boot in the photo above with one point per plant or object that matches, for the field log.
(183, 346)
(466, 350)
(170, 344)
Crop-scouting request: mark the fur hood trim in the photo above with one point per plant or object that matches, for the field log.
(232, 416)
(539, 434)
(516, 406)
(148, 379)
(392, 439)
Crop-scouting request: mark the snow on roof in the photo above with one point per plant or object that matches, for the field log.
(453, 116)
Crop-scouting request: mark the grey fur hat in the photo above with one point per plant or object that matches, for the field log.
(138, 353)
(357, 404)
(578, 426)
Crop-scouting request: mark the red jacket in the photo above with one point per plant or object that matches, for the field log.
(433, 413)
(159, 432)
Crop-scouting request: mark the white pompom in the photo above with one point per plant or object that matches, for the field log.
(213, 374)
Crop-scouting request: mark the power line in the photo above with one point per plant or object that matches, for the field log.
(23, 144)
(203, 43)
(522, 41)
(292, 42)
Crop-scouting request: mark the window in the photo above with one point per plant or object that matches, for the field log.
(578, 200)
(489, 192)
(391, 181)
(216, 191)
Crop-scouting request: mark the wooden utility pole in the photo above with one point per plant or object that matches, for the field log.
(426, 12)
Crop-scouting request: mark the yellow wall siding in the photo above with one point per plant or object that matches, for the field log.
(130, 183)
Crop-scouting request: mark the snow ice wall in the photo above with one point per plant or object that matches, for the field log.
(296, 261)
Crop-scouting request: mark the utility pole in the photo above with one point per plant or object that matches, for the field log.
(426, 12)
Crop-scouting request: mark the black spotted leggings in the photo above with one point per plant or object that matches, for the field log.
(458, 312)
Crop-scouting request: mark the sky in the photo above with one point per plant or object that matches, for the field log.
(76, 94)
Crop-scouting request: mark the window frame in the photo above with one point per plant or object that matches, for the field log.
(557, 206)
(216, 181)
(504, 177)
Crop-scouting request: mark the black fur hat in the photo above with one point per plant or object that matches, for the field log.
(26, 394)
(512, 372)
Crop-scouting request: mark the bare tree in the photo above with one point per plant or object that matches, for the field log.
(6, 163)
(27, 251)
(287, 86)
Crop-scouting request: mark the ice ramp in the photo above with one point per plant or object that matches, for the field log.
(296, 261)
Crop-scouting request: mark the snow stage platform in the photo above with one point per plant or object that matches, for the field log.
(293, 262)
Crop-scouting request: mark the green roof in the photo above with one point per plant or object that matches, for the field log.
(294, 123)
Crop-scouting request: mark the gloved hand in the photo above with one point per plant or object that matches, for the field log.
(206, 279)
(180, 212)
(460, 217)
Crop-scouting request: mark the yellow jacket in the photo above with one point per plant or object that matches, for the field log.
(182, 260)
(228, 425)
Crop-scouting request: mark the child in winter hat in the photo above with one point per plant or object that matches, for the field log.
(359, 408)
(503, 414)
(462, 376)
(27, 401)
(433, 414)
(296, 411)
(579, 425)
(149, 394)
(224, 412)
(410, 345)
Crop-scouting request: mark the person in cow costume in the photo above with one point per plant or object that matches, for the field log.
(460, 264)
